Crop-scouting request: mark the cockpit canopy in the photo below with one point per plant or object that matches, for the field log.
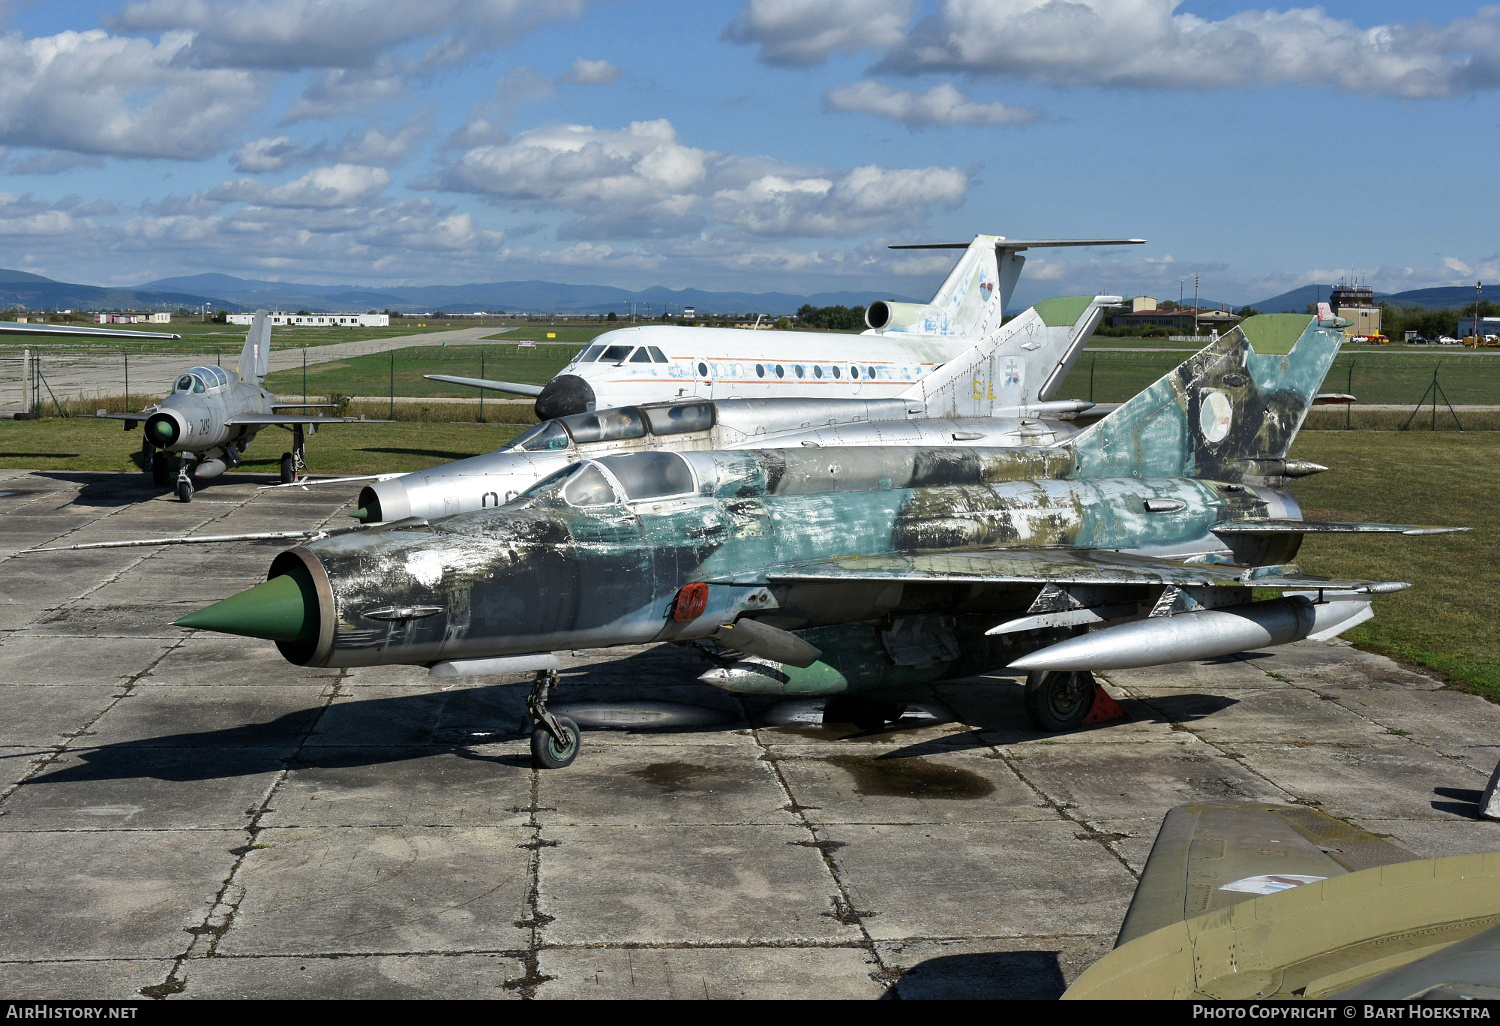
(618, 354)
(202, 379)
(630, 477)
(615, 425)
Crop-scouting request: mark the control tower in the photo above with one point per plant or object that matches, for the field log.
(1356, 304)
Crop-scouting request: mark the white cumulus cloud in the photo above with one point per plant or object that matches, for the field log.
(90, 92)
(941, 105)
(341, 185)
(594, 72)
(642, 181)
(1149, 44)
(804, 32)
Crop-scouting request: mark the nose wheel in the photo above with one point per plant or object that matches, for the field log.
(555, 740)
(184, 483)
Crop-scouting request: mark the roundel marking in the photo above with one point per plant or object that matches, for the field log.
(1215, 416)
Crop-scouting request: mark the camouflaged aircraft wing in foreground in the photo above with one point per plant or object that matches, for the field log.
(1240, 900)
(859, 571)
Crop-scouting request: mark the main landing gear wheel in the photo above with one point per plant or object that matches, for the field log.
(555, 740)
(551, 752)
(1059, 699)
(288, 469)
(864, 713)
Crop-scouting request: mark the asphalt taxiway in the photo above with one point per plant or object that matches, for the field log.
(187, 815)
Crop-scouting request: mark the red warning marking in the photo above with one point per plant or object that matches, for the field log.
(691, 601)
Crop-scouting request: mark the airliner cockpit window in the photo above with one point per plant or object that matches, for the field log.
(615, 354)
(591, 354)
(651, 475)
(680, 418)
(605, 425)
(642, 355)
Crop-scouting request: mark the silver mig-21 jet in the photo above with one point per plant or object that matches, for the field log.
(905, 343)
(862, 571)
(998, 392)
(211, 415)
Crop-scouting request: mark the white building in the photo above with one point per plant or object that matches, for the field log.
(319, 320)
(161, 318)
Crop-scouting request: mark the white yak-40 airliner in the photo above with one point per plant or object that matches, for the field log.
(905, 342)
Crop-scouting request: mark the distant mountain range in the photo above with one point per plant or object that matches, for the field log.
(21, 288)
(511, 296)
(225, 292)
(1440, 298)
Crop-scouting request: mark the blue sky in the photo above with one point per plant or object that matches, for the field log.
(751, 144)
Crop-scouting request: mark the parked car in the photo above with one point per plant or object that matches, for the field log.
(1448, 340)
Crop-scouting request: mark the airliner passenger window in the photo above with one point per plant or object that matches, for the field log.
(589, 487)
(544, 437)
(615, 354)
(674, 420)
(605, 425)
(641, 356)
(651, 475)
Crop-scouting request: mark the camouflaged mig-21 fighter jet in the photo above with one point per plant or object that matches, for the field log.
(861, 571)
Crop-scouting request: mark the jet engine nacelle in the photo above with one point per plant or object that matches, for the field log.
(884, 316)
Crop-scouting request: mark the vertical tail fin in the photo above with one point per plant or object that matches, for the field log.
(969, 303)
(255, 358)
(1223, 413)
(1017, 366)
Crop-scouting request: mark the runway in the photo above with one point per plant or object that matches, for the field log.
(187, 815)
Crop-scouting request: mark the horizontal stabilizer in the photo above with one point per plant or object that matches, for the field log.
(1325, 527)
(513, 387)
(201, 539)
(308, 483)
(1003, 243)
(282, 420)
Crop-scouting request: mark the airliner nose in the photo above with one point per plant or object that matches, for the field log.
(564, 395)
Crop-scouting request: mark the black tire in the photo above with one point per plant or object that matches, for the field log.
(161, 474)
(864, 713)
(1059, 699)
(548, 752)
(184, 490)
(288, 473)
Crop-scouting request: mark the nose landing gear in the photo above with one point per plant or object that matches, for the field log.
(555, 740)
(184, 483)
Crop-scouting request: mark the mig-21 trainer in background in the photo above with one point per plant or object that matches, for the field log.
(847, 571)
(211, 415)
(905, 343)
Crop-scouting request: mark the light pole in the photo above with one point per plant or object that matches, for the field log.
(1195, 306)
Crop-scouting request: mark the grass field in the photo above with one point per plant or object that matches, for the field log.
(371, 375)
(1378, 376)
(1445, 621)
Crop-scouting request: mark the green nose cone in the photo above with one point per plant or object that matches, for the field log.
(362, 514)
(284, 608)
(161, 431)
